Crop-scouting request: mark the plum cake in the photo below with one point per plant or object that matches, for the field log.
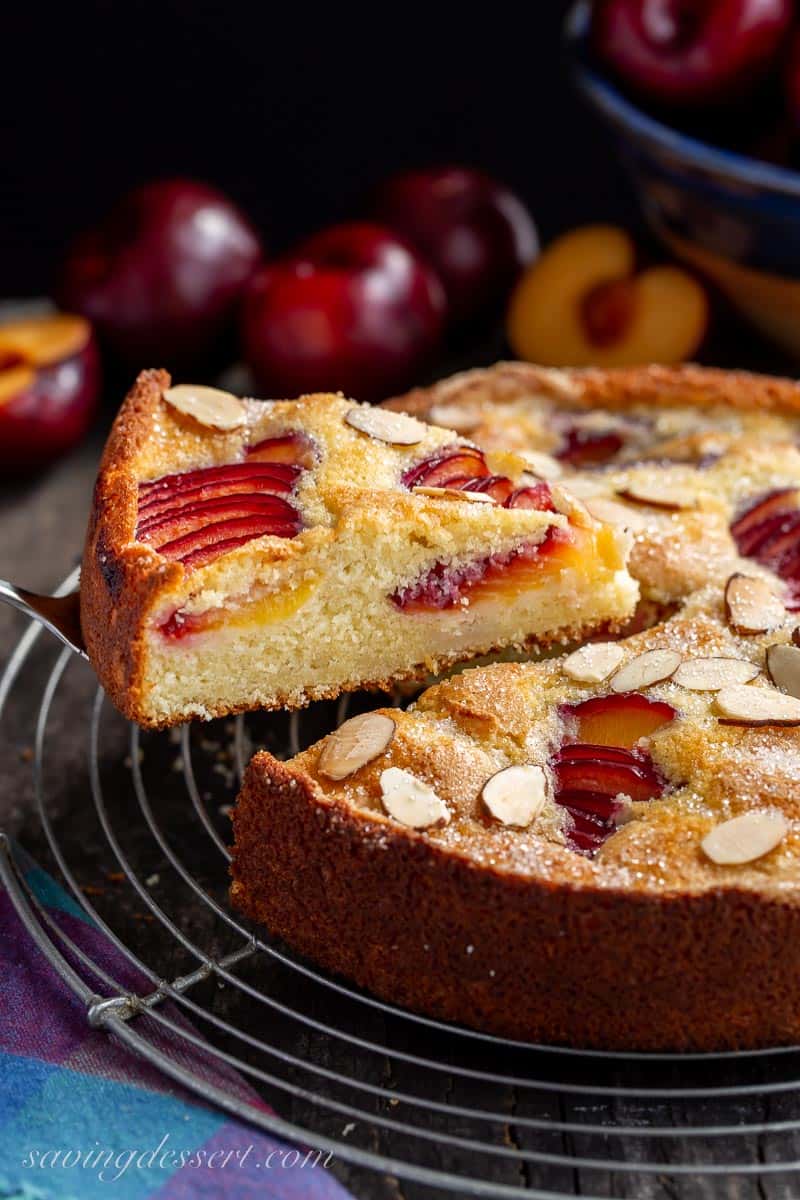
(245, 554)
(701, 466)
(600, 849)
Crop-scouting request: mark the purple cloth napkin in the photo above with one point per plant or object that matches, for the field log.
(81, 1116)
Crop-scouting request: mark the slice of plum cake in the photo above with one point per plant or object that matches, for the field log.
(246, 554)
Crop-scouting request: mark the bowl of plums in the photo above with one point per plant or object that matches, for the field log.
(704, 99)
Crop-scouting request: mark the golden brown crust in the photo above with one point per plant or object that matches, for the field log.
(112, 568)
(617, 387)
(526, 958)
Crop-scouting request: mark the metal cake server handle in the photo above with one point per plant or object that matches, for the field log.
(59, 614)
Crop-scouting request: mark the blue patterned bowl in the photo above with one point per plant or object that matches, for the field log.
(731, 217)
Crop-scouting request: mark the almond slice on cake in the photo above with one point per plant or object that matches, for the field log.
(751, 605)
(745, 838)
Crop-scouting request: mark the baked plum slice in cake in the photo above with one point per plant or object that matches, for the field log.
(702, 466)
(606, 767)
(589, 417)
(248, 554)
(767, 529)
(600, 849)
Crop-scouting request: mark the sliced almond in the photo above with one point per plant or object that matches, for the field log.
(783, 665)
(355, 743)
(516, 795)
(745, 838)
(585, 487)
(660, 494)
(561, 383)
(654, 666)
(396, 428)
(410, 801)
(751, 605)
(455, 416)
(542, 465)
(611, 512)
(210, 406)
(445, 493)
(593, 662)
(741, 704)
(570, 506)
(711, 674)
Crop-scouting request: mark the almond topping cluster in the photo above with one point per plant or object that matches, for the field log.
(516, 795)
(752, 608)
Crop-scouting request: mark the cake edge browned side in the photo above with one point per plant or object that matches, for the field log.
(512, 955)
(120, 580)
(614, 387)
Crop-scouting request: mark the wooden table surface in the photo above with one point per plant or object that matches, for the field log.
(41, 529)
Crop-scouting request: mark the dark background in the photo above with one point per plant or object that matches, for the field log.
(296, 113)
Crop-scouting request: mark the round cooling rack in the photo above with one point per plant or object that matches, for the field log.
(136, 826)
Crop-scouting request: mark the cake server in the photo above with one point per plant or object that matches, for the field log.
(59, 614)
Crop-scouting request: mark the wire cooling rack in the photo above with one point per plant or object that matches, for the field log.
(431, 1107)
